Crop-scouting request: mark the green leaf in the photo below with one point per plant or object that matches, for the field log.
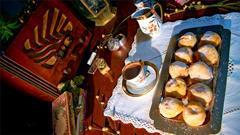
(6, 28)
(13, 25)
(5, 35)
(9, 33)
(78, 80)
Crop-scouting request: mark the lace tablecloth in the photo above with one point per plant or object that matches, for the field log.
(135, 110)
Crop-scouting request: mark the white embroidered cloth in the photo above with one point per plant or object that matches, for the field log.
(135, 110)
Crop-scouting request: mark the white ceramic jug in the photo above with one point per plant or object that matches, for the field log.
(149, 21)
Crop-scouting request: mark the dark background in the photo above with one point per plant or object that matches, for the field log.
(23, 114)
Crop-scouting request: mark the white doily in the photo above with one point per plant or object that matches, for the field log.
(135, 110)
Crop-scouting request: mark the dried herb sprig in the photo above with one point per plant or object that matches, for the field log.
(223, 5)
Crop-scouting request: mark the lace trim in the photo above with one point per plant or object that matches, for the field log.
(125, 118)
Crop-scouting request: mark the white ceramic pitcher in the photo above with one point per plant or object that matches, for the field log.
(149, 21)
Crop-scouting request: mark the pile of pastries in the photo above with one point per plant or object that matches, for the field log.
(188, 93)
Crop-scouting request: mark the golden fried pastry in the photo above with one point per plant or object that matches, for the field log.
(200, 71)
(194, 114)
(187, 40)
(178, 69)
(184, 54)
(202, 93)
(175, 87)
(170, 107)
(209, 54)
(210, 37)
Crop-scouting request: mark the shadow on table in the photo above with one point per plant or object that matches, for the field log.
(142, 49)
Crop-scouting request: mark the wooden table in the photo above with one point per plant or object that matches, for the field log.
(101, 86)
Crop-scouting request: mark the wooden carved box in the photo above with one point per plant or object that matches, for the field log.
(48, 48)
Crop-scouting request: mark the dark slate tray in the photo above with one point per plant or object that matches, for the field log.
(213, 124)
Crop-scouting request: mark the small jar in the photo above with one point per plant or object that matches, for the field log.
(116, 42)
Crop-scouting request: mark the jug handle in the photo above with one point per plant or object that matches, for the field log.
(161, 11)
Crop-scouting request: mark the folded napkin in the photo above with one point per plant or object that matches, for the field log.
(136, 110)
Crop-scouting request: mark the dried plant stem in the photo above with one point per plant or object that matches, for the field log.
(224, 5)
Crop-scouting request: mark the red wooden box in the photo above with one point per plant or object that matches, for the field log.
(47, 50)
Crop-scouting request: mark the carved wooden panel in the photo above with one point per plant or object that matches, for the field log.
(50, 46)
(51, 43)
